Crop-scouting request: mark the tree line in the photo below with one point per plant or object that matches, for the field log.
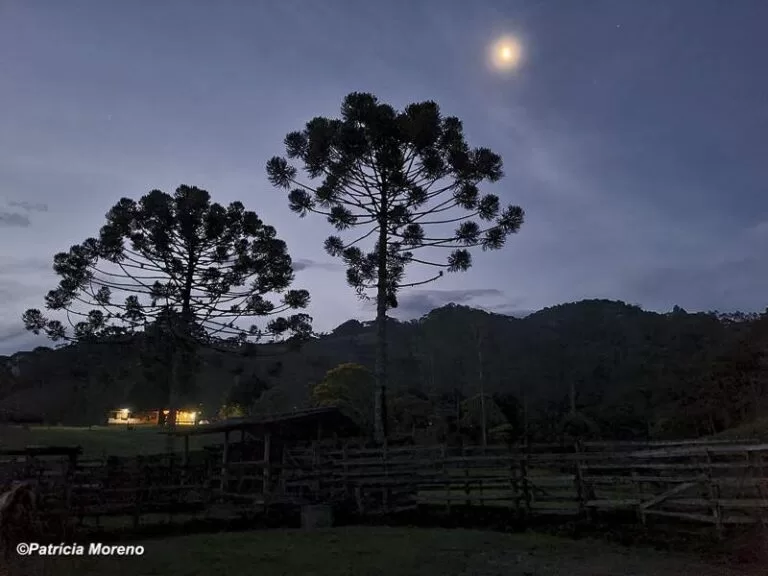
(596, 368)
(628, 373)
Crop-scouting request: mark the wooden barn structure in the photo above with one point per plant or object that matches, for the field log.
(253, 460)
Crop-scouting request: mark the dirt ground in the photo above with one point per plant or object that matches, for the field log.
(542, 557)
(362, 551)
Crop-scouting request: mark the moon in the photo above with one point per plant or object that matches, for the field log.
(506, 54)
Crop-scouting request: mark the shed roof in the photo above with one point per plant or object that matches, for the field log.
(330, 416)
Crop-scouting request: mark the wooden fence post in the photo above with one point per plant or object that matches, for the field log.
(524, 484)
(209, 482)
(581, 485)
(315, 473)
(225, 464)
(757, 479)
(714, 495)
(446, 480)
(637, 490)
(359, 500)
(69, 480)
(514, 480)
(185, 463)
(345, 467)
(284, 470)
(267, 469)
(468, 501)
(386, 488)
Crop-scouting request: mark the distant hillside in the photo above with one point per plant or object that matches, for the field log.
(633, 372)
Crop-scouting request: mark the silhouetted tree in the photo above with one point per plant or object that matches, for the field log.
(408, 181)
(349, 387)
(478, 415)
(246, 391)
(410, 411)
(193, 269)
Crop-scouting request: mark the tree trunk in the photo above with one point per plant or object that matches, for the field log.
(526, 429)
(170, 420)
(433, 389)
(181, 335)
(755, 398)
(482, 387)
(380, 398)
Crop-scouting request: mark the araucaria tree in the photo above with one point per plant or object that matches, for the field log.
(408, 183)
(197, 270)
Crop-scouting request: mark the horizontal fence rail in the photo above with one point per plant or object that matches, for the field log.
(716, 483)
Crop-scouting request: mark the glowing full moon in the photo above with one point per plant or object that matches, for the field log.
(506, 53)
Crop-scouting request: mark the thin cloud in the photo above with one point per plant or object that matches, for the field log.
(14, 220)
(731, 276)
(11, 290)
(418, 303)
(517, 307)
(15, 338)
(12, 333)
(17, 265)
(28, 206)
(305, 263)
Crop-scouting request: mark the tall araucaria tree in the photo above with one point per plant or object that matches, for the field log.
(408, 183)
(195, 270)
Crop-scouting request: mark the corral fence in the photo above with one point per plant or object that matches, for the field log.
(715, 483)
(719, 483)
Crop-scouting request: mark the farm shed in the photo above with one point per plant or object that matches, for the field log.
(254, 450)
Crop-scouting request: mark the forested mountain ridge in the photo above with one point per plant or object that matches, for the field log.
(633, 373)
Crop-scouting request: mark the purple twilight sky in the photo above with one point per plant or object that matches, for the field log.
(634, 134)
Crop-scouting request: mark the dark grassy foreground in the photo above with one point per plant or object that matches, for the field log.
(97, 441)
(380, 551)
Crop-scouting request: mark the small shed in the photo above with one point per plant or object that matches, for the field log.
(258, 443)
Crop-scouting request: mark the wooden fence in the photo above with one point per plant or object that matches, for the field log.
(73, 491)
(718, 483)
(715, 482)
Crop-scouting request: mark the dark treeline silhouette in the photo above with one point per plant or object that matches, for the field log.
(628, 373)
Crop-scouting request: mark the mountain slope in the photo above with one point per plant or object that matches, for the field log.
(633, 372)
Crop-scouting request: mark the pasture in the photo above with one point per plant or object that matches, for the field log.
(96, 441)
(382, 551)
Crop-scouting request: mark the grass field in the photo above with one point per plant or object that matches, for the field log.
(97, 440)
(753, 430)
(365, 551)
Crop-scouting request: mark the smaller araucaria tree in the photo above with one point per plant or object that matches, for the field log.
(407, 183)
(193, 270)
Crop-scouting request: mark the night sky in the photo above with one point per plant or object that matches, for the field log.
(634, 134)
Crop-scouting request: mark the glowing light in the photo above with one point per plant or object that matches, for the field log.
(506, 53)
